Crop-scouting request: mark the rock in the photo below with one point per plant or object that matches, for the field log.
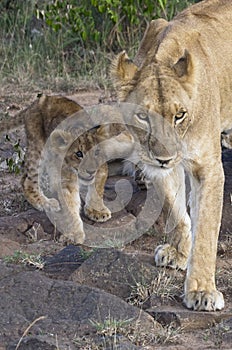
(122, 345)
(32, 343)
(29, 225)
(116, 232)
(6, 271)
(225, 329)
(68, 308)
(66, 261)
(226, 223)
(7, 246)
(187, 319)
(114, 271)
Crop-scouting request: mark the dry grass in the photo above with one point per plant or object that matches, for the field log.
(164, 286)
(28, 329)
(111, 333)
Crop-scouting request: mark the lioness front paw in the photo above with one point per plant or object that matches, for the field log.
(204, 301)
(168, 256)
(100, 215)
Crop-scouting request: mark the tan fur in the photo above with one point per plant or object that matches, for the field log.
(182, 81)
(41, 120)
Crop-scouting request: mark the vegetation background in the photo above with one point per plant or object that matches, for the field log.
(61, 45)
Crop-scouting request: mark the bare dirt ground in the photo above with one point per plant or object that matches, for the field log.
(56, 297)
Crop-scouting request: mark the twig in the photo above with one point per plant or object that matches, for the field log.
(28, 328)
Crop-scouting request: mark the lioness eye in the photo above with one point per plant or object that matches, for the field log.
(79, 154)
(142, 116)
(179, 117)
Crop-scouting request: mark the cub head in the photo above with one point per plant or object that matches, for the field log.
(79, 154)
(161, 89)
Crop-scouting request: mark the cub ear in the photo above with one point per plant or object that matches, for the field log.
(61, 139)
(183, 66)
(122, 69)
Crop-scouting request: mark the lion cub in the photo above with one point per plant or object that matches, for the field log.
(41, 120)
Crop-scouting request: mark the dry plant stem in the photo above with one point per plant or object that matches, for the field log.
(27, 330)
(57, 344)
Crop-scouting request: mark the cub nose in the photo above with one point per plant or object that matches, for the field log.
(91, 172)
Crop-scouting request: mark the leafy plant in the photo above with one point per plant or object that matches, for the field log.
(65, 44)
(15, 163)
(20, 257)
(111, 23)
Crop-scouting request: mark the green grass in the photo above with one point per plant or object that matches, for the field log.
(20, 257)
(46, 60)
(58, 56)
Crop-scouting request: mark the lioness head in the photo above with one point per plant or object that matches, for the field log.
(161, 87)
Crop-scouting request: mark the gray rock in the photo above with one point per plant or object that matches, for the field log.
(69, 308)
(114, 271)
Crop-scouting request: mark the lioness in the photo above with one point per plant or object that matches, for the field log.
(42, 122)
(181, 78)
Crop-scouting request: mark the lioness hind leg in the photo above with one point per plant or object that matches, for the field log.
(175, 253)
(95, 208)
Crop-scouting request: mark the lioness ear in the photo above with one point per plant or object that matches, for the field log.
(149, 41)
(183, 66)
(122, 69)
(61, 139)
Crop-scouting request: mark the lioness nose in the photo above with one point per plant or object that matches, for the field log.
(163, 161)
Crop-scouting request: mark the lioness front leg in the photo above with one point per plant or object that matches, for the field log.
(95, 208)
(175, 253)
(206, 209)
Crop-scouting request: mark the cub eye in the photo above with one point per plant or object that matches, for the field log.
(179, 117)
(79, 154)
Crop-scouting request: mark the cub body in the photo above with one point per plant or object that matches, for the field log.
(42, 120)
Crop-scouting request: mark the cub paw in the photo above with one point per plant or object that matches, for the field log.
(73, 238)
(100, 215)
(52, 204)
(168, 256)
(204, 301)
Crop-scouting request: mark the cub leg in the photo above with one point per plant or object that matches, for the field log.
(30, 181)
(172, 189)
(95, 208)
(69, 221)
